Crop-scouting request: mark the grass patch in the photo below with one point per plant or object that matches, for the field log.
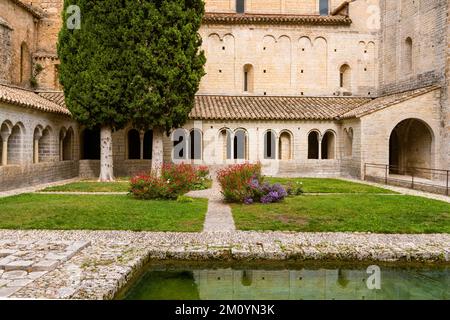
(317, 185)
(347, 213)
(100, 212)
(91, 186)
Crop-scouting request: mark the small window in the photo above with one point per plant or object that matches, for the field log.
(408, 59)
(323, 7)
(240, 6)
(269, 145)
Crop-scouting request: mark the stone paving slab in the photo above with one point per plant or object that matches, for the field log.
(100, 270)
(25, 261)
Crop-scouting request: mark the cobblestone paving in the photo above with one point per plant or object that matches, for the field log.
(101, 269)
(22, 262)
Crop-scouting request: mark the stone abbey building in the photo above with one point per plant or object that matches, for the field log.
(306, 87)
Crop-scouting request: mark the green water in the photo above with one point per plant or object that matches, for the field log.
(184, 282)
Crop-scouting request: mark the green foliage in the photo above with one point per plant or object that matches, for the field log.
(138, 62)
(184, 199)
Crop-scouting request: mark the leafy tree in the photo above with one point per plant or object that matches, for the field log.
(131, 60)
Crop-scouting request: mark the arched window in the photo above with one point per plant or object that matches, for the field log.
(5, 132)
(240, 145)
(195, 144)
(225, 139)
(15, 148)
(324, 7)
(134, 145)
(328, 146)
(408, 58)
(285, 149)
(345, 77)
(67, 145)
(148, 145)
(25, 63)
(179, 144)
(269, 145)
(90, 144)
(45, 146)
(313, 145)
(248, 78)
(240, 6)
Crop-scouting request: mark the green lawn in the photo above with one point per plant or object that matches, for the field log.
(91, 186)
(334, 213)
(318, 185)
(108, 212)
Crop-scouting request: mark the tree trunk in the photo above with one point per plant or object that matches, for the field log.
(158, 151)
(106, 155)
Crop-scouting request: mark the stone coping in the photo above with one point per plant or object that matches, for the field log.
(104, 268)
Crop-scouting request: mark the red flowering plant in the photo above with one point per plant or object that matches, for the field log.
(235, 181)
(175, 180)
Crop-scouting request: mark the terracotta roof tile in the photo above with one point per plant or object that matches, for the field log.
(285, 19)
(29, 99)
(209, 107)
(386, 101)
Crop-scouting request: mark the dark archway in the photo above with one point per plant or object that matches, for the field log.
(313, 145)
(134, 145)
(148, 144)
(90, 144)
(410, 147)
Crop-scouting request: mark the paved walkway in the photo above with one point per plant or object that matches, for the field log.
(218, 217)
(404, 191)
(39, 187)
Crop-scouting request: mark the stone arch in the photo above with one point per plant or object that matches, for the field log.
(285, 145)
(410, 147)
(90, 144)
(240, 144)
(270, 145)
(313, 144)
(133, 144)
(345, 77)
(320, 54)
(5, 132)
(329, 145)
(180, 143)
(196, 144)
(15, 144)
(225, 145)
(148, 145)
(408, 55)
(44, 146)
(67, 145)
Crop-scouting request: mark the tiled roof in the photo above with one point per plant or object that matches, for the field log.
(386, 101)
(248, 18)
(272, 108)
(29, 99)
(37, 12)
(54, 96)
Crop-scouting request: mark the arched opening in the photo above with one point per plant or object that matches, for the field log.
(195, 144)
(345, 78)
(410, 147)
(269, 145)
(226, 145)
(67, 145)
(240, 6)
(25, 63)
(240, 145)
(179, 144)
(1, 150)
(324, 7)
(248, 78)
(45, 146)
(148, 144)
(408, 55)
(90, 144)
(348, 142)
(5, 131)
(15, 145)
(313, 145)
(134, 145)
(328, 146)
(285, 149)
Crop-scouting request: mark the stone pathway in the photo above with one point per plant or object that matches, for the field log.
(79, 193)
(22, 262)
(404, 191)
(101, 269)
(218, 217)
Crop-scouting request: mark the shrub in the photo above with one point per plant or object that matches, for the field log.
(175, 180)
(294, 189)
(235, 181)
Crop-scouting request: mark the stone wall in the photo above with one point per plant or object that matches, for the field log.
(5, 51)
(20, 176)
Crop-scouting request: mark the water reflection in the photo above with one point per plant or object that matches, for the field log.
(303, 284)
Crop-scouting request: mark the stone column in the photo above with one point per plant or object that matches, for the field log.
(141, 136)
(320, 147)
(5, 138)
(36, 150)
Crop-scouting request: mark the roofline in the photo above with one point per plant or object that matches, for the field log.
(35, 11)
